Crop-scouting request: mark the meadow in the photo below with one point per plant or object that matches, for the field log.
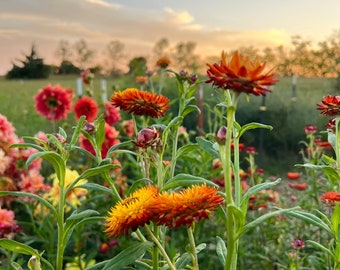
(288, 111)
(270, 213)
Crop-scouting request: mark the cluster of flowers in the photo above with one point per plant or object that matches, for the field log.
(175, 209)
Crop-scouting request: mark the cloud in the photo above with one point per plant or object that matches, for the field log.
(103, 4)
(182, 17)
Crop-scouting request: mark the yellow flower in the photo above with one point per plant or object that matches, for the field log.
(79, 263)
(74, 197)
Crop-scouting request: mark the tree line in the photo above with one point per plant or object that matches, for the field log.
(302, 58)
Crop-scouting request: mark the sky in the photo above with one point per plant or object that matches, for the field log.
(214, 25)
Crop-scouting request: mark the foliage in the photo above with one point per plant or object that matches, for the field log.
(32, 67)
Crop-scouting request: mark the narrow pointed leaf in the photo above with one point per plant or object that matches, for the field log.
(321, 247)
(185, 180)
(128, 256)
(221, 250)
(18, 247)
(207, 146)
(250, 126)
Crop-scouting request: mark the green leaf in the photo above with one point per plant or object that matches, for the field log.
(100, 134)
(184, 180)
(310, 219)
(336, 219)
(96, 187)
(137, 184)
(28, 145)
(332, 139)
(54, 159)
(321, 247)
(116, 146)
(239, 217)
(34, 263)
(63, 133)
(18, 247)
(221, 250)
(128, 256)
(75, 135)
(329, 171)
(174, 122)
(250, 126)
(31, 195)
(190, 108)
(83, 214)
(207, 146)
(262, 218)
(186, 149)
(255, 189)
(183, 261)
(15, 266)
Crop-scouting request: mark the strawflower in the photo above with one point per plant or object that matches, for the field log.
(185, 207)
(330, 105)
(241, 75)
(87, 76)
(163, 62)
(7, 223)
(128, 127)
(330, 197)
(86, 106)
(142, 80)
(74, 197)
(293, 175)
(131, 212)
(298, 186)
(112, 115)
(54, 102)
(141, 102)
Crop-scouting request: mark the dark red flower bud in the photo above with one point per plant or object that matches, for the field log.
(221, 135)
(147, 137)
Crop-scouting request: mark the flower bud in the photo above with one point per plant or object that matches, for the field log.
(147, 137)
(89, 128)
(221, 135)
(183, 73)
(309, 130)
(193, 78)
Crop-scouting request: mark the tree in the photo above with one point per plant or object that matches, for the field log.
(114, 51)
(184, 56)
(137, 66)
(83, 54)
(32, 67)
(64, 53)
(160, 48)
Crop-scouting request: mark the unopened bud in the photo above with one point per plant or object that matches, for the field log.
(193, 78)
(221, 135)
(89, 128)
(146, 137)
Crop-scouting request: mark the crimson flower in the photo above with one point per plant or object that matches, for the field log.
(330, 105)
(241, 75)
(54, 102)
(86, 106)
(330, 197)
(298, 186)
(141, 102)
(112, 115)
(87, 76)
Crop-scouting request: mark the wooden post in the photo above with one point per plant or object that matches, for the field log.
(104, 88)
(294, 80)
(79, 87)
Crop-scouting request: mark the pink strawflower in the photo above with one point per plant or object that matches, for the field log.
(128, 128)
(112, 115)
(54, 102)
(33, 182)
(86, 106)
(7, 223)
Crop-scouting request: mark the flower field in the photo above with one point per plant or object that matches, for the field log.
(134, 180)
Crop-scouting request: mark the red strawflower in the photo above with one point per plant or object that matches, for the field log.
(330, 197)
(54, 102)
(309, 130)
(298, 186)
(141, 102)
(112, 115)
(330, 105)
(86, 106)
(241, 75)
(87, 76)
(293, 175)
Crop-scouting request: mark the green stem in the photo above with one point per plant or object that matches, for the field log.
(337, 143)
(60, 223)
(193, 249)
(159, 245)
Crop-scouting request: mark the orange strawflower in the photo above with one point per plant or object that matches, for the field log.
(293, 175)
(163, 62)
(298, 186)
(186, 206)
(141, 102)
(241, 75)
(130, 213)
(330, 197)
